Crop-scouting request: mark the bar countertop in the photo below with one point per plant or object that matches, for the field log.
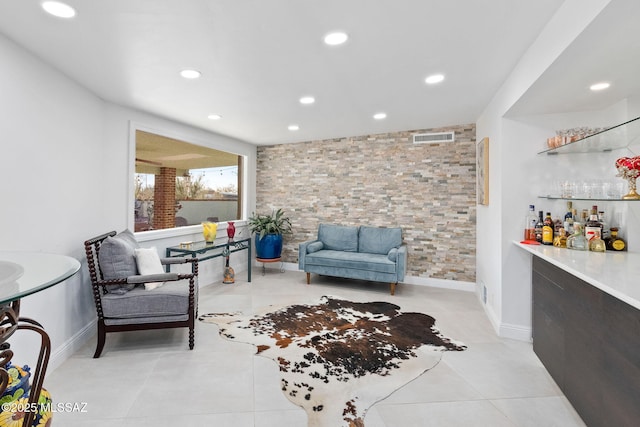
(616, 273)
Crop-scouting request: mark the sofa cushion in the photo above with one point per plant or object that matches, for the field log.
(378, 240)
(338, 237)
(353, 260)
(117, 259)
(169, 300)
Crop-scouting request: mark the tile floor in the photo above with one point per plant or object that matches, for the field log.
(151, 378)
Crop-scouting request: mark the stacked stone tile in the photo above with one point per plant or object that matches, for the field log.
(380, 180)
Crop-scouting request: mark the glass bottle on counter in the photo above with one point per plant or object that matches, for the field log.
(606, 234)
(593, 226)
(596, 244)
(616, 243)
(530, 224)
(538, 228)
(577, 241)
(560, 241)
(569, 217)
(547, 230)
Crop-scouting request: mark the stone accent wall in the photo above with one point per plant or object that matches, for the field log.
(380, 180)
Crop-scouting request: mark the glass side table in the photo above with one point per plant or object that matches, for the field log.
(204, 251)
(23, 274)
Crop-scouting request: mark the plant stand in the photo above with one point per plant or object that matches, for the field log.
(264, 261)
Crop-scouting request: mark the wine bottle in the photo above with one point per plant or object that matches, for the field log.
(547, 230)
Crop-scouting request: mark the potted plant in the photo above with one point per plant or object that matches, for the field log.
(269, 230)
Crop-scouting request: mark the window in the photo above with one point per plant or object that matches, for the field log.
(179, 184)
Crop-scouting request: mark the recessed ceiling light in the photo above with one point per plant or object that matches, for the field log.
(435, 78)
(293, 128)
(58, 9)
(336, 38)
(307, 100)
(380, 116)
(190, 74)
(600, 86)
(214, 116)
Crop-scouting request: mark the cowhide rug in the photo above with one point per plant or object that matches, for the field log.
(337, 358)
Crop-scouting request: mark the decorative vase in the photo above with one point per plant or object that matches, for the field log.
(209, 230)
(269, 246)
(231, 230)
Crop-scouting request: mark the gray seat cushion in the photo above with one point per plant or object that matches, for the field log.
(117, 259)
(338, 237)
(351, 260)
(170, 299)
(378, 240)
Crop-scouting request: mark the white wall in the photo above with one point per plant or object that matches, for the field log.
(500, 267)
(65, 176)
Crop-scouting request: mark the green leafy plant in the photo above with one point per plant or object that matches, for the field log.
(275, 223)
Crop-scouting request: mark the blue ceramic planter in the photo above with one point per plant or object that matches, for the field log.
(269, 247)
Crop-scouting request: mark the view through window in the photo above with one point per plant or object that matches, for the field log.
(179, 184)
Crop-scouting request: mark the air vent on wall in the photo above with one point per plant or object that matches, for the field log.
(432, 138)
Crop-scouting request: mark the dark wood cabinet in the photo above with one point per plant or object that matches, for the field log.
(589, 341)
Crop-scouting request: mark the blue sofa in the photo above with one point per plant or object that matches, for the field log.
(355, 252)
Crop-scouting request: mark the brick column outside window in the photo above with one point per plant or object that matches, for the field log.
(164, 199)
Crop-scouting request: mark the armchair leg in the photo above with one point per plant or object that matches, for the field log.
(308, 278)
(393, 288)
(191, 338)
(101, 339)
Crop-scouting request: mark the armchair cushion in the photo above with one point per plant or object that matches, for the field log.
(148, 262)
(117, 260)
(172, 299)
(314, 247)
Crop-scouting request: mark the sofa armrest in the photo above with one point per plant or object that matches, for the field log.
(401, 262)
(304, 248)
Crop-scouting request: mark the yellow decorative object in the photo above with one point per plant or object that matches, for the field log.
(209, 230)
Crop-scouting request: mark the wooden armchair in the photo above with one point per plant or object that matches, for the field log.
(128, 301)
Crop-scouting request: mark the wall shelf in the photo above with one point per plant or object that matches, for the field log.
(602, 199)
(614, 138)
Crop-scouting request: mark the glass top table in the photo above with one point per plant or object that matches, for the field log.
(207, 250)
(25, 273)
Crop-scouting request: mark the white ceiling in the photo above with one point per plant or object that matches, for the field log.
(259, 57)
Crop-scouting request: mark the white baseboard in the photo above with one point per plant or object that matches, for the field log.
(73, 344)
(515, 332)
(457, 285)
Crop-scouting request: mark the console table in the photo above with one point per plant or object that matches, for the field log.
(23, 274)
(204, 251)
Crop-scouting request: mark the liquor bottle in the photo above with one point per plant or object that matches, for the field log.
(606, 234)
(593, 225)
(538, 228)
(568, 219)
(596, 244)
(615, 242)
(577, 241)
(547, 230)
(560, 241)
(530, 224)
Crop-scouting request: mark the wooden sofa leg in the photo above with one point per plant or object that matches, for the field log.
(308, 278)
(393, 288)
